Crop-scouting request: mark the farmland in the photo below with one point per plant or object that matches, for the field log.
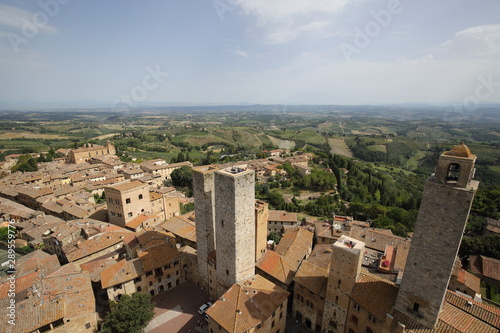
(403, 138)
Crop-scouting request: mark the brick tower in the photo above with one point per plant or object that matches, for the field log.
(203, 192)
(234, 225)
(345, 266)
(443, 213)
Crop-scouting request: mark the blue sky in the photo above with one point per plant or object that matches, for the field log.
(106, 53)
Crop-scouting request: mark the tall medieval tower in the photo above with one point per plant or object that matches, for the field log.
(203, 192)
(345, 266)
(234, 225)
(443, 213)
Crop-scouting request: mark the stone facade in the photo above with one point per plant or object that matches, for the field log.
(234, 225)
(84, 154)
(203, 192)
(443, 214)
(345, 266)
(308, 307)
(126, 201)
(261, 216)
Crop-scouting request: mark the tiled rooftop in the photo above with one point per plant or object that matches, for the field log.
(374, 294)
(281, 215)
(312, 277)
(158, 256)
(181, 226)
(122, 271)
(247, 304)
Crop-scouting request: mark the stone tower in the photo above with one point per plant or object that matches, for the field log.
(443, 213)
(203, 192)
(345, 266)
(261, 216)
(234, 225)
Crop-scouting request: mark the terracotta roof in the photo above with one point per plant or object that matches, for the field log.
(136, 222)
(158, 256)
(122, 271)
(75, 211)
(153, 237)
(37, 260)
(459, 314)
(296, 243)
(374, 294)
(379, 239)
(181, 226)
(154, 196)
(491, 268)
(32, 314)
(36, 192)
(281, 215)
(247, 304)
(486, 313)
(126, 186)
(460, 150)
(321, 255)
(22, 284)
(75, 251)
(66, 293)
(95, 267)
(280, 267)
(469, 280)
(325, 230)
(312, 277)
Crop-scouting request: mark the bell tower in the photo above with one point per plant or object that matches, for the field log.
(441, 220)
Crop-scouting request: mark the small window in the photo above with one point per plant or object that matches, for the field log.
(140, 196)
(150, 283)
(127, 200)
(338, 284)
(227, 272)
(139, 289)
(272, 324)
(354, 319)
(369, 330)
(372, 318)
(357, 307)
(222, 222)
(416, 306)
(130, 214)
(137, 279)
(87, 326)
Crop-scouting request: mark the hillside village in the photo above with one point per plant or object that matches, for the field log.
(102, 228)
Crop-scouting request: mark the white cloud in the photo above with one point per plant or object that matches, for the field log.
(240, 53)
(284, 35)
(18, 18)
(272, 11)
(479, 41)
(281, 35)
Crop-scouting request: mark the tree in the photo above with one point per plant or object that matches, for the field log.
(276, 199)
(131, 314)
(182, 176)
(274, 236)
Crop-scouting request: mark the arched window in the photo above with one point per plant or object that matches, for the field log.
(453, 172)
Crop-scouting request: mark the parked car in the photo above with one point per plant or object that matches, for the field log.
(204, 307)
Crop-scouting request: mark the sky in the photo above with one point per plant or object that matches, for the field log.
(125, 54)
